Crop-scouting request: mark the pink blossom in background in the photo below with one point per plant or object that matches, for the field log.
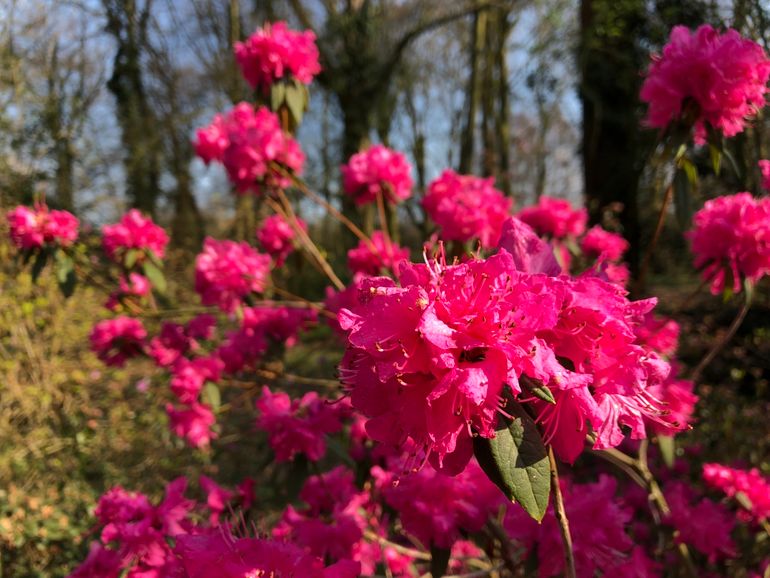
(600, 243)
(170, 344)
(598, 522)
(751, 483)
(278, 324)
(201, 326)
(276, 236)
(678, 399)
(193, 423)
(133, 231)
(34, 228)
(226, 272)
(377, 170)
(116, 340)
(467, 207)
(101, 562)
(225, 556)
(276, 52)
(706, 78)
(530, 253)
(554, 218)
(297, 426)
(661, 334)
(189, 376)
(764, 168)
(422, 498)
(386, 255)
(135, 286)
(731, 240)
(701, 523)
(249, 142)
(331, 524)
(217, 498)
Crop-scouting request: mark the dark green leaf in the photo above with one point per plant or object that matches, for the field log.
(40, 262)
(65, 273)
(690, 170)
(439, 561)
(211, 396)
(277, 96)
(155, 275)
(516, 461)
(131, 256)
(295, 100)
(716, 159)
(667, 447)
(537, 389)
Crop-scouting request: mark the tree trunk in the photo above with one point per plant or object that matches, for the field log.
(473, 95)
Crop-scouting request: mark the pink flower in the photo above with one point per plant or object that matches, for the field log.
(274, 52)
(330, 526)
(377, 170)
(252, 147)
(135, 286)
(32, 229)
(600, 243)
(554, 218)
(100, 563)
(705, 525)
(678, 400)
(170, 344)
(116, 340)
(193, 423)
(188, 377)
(224, 556)
(217, 498)
(279, 325)
(382, 254)
(347, 298)
(754, 487)
(660, 334)
(296, 426)
(133, 232)
(706, 78)
(436, 508)
(467, 207)
(276, 236)
(226, 272)
(731, 238)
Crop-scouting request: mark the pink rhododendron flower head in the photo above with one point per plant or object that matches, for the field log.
(116, 340)
(467, 207)
(377, 170)
(276, 236)
(754, 487)
(678, 399)
(706, 78)
(189, 376)
(134, 231)
(731, 239)
(600, 243)
(660, 334)
(34, 228)
(192, 423)
(372, 258)
(254, 150)
(276, 52)
(554, 218)
(135, 285)
(297, 426)
(226, 272)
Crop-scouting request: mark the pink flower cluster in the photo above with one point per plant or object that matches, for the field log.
(299, 425)
(706, 78)
(467, 207)
(253, 148)
(192, 423)
(602, 244)
(372, 258)
(38, 227)
(754, 487)
(731, 238)
(430, 360)
(134, 231)
(133, 286)
(175, 340)
(276, 236)
(275, 52)
(377, 170)
(598, 525)
(554, 218)
(116, 340)
(226, 272)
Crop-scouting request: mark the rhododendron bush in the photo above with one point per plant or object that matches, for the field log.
(502, 405)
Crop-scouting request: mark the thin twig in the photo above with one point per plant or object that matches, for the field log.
(658, 230)
(372, 537)
(724, 340)
(561, 518)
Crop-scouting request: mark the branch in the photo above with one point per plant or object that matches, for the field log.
(561, 518)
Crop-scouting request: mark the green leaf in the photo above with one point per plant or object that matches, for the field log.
(131, 257)
(439, 561)
(277, 95)
(295, 100)
(155, 275)
(65, 273)
(40, 262)
(212, 396)
(537, 389)
(667, 447)
(690, 170)
(516, 461)
(716, 159)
